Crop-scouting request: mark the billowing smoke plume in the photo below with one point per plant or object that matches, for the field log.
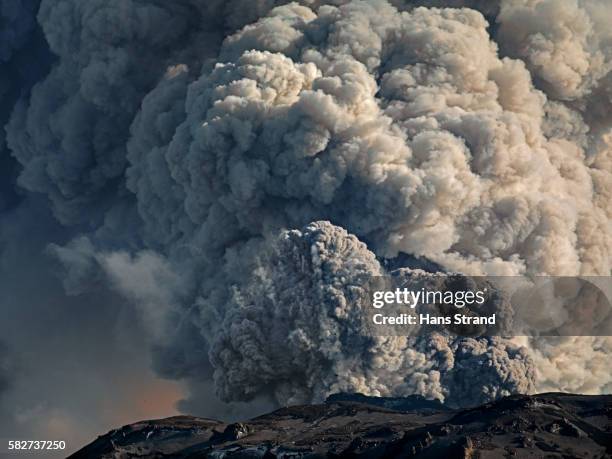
(296, 330)
(437, 142)
(196, 142)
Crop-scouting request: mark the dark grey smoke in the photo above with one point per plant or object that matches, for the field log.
(295, 330)
(24, 58)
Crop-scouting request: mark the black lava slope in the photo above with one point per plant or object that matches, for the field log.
(355, 426)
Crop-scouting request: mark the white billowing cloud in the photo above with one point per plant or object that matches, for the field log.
(572, 364)
(145, 279)
(438, 143)
(149, 283)
(565, 44)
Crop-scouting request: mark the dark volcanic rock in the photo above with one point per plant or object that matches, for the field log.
(413, 403)
(356, 426)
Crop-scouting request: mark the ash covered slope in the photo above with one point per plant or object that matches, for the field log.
(554, 424)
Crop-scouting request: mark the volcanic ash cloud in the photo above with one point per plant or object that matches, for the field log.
(210, 146)
(296, 331)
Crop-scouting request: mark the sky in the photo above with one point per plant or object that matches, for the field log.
(77, 365)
